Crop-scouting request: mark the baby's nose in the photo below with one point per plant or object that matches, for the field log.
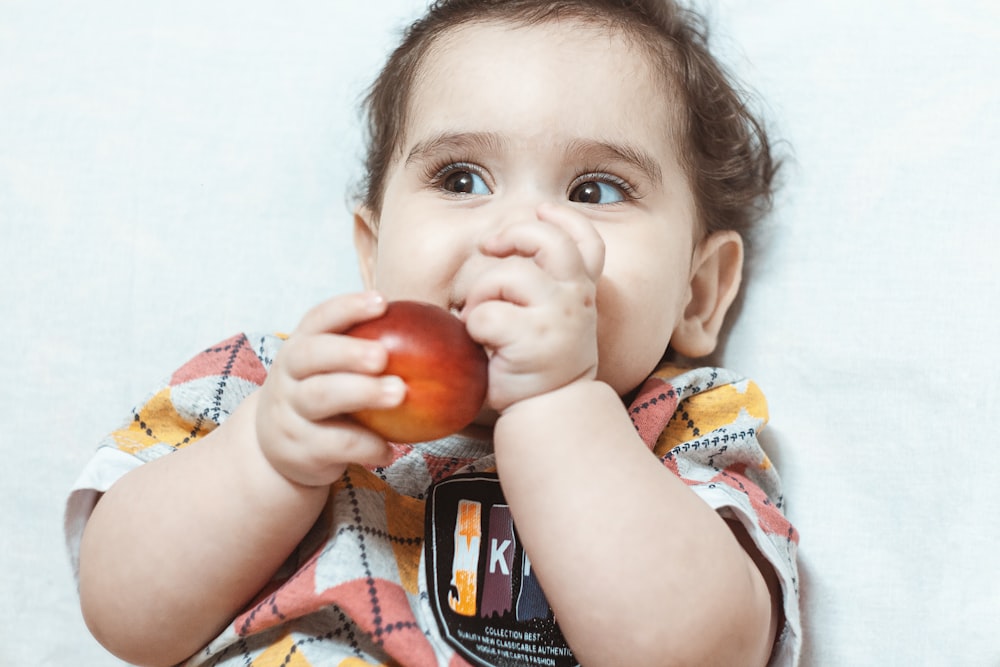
(505, 220)
(523, 211)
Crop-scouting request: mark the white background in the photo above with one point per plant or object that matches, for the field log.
(175, 172)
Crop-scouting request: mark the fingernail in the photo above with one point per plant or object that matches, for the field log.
(373, 358)
(374, 301)
(393, 390)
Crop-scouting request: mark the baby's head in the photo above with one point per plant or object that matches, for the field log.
(724, 147)
(608, 119)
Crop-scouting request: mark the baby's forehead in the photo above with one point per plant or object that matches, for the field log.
(644, 61)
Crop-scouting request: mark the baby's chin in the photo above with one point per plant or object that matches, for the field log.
(628, 380)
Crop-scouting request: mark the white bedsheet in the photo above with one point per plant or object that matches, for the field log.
(163, 163)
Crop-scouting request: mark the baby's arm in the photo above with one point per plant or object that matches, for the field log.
(220, 516)
(633, 562)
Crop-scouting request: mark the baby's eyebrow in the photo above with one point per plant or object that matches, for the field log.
(459, 142)
(610, 151)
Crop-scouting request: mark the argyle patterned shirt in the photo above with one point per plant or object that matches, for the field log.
(418, 563)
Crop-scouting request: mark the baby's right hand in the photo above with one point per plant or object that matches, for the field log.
(318, 378)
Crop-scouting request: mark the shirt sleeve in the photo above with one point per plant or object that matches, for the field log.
(703, 424)
(191, 403)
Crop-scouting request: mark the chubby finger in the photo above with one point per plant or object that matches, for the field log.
(328, 395)
(356, 444)
(325, 450)
(565, 242)
(545, 243)
(341, 312)
(306, 355)
(517, 280)
(496, 324)
(563, 321)
(588, 240)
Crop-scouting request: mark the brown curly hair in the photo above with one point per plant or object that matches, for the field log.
(725, 148)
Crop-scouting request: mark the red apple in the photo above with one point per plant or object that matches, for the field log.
(445, 372)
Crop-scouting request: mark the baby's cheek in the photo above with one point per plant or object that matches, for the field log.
(625, 364)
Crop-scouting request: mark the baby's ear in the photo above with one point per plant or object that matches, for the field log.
(366, 243)
(716, 272)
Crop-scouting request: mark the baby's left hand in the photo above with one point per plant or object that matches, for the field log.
(535, 310)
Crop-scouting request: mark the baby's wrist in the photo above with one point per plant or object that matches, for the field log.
(262, 461)
(312, 474)
(547, 427)
(577, 392)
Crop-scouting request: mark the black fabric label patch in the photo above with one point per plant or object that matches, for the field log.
(487, 602)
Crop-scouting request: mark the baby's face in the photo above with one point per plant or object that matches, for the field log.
(504, 119)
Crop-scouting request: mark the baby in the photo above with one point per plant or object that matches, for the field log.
(574, 180)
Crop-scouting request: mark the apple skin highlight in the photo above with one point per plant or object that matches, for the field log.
(445, 372)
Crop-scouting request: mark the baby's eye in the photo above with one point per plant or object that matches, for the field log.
(597, 192)
(465, 182)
